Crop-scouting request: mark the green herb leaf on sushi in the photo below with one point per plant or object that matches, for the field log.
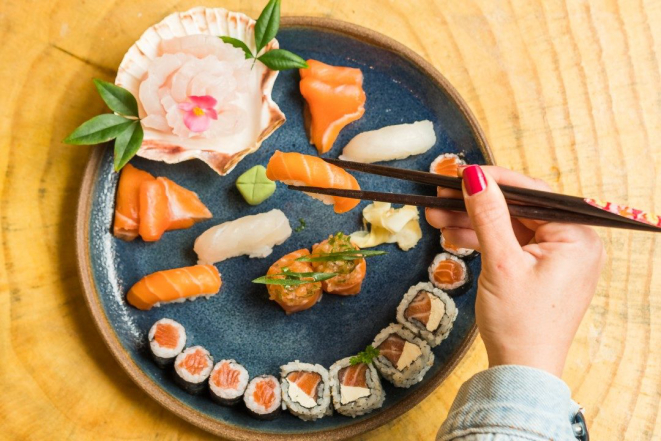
(294, 279)
(341, 255)
(366, 356)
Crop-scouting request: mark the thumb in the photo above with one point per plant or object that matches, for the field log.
(489, 215)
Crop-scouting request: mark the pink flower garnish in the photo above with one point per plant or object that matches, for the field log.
(198, 112)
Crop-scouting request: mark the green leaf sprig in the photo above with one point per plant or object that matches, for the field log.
(123, 126)
(341, 255)
(266, 28)
(294, 279)
(366, 356)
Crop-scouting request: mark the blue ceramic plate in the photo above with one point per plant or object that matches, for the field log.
(241, 322)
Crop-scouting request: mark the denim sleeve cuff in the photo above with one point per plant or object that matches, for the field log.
(514, 401)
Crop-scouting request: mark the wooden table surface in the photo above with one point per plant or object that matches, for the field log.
(568, 91)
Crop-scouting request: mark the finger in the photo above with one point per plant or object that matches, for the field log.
(489, 216)
(504, 176)
(443, 192)
(445, 218)
(461, 238)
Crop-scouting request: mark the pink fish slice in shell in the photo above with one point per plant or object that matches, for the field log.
(198, 97)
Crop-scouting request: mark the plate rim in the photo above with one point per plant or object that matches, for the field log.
(193, 416)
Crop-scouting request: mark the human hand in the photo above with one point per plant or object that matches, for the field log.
(537, 278)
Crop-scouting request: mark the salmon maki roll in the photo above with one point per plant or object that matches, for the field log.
(428, 312)
(127, 204)
(263, 397)
(403, 359)
(192, 369)
(356, 388)
(228, 382)
(449, 273)
(351, 273)
(446, 164)
(175, 285)
(305, 390)
(451, 248)
(167, 338)
(293, 298)
(298, 169)
(334, 98)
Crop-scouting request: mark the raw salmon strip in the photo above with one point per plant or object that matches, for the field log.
(354, 375)
(392, 348)
(334, 97)
(306, 381)
(448, 272)
(298, 169)
(127, 205)
(154, 210)
(174, 285)
(419, 308)
(185, 206)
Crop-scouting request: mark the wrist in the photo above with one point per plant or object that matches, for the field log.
(550, 360)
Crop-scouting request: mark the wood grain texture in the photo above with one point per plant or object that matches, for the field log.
(566, 90)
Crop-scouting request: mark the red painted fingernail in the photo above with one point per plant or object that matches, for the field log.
(474, 180)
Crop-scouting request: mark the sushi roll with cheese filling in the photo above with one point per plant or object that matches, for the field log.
(428, 312)
(446, 164)
(403, 359)
(227, 382)
(192, 368)
(455, 250)
(166, 340)
(356, 389)
(449, 273)
(263, 397)
(305, 390)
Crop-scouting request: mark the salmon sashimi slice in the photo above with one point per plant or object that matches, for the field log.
(306, 381)
(166, 335)
(175, 284)
(334, 98)
(447, 165)
(355, 376)
(225, 377)
(298, 169)
(195, 362)
(419, 308)
(298, 297)
(185, 206)
(264, 393)
(392, 348)
(154, 210)
(448, 272)
(127, 205)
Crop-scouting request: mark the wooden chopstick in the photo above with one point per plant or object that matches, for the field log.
(538, 198)
(522, 211)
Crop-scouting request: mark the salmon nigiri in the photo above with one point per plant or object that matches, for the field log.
(174, 285)
(127, 206)
(298, 169)
(335, 97)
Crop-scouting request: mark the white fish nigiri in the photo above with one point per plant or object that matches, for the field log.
(254, 235)
(391, 142)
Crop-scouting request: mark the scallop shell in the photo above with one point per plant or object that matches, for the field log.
(224, 153)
